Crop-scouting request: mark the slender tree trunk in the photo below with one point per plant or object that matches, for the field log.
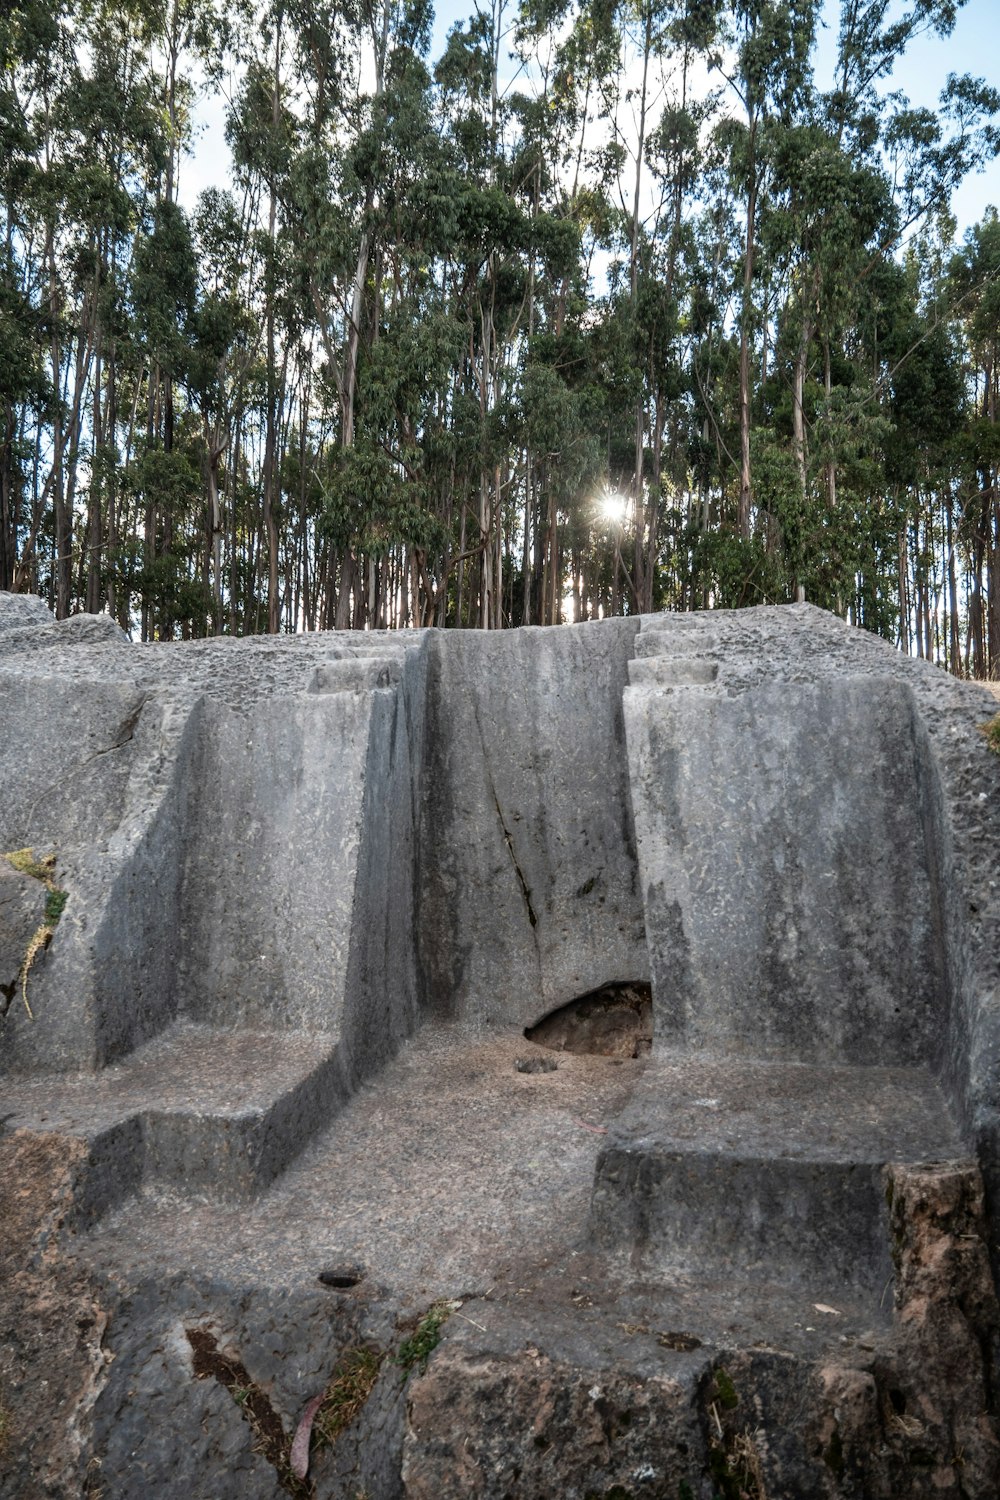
(745, 501)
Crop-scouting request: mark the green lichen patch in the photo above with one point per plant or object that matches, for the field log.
(41, 868)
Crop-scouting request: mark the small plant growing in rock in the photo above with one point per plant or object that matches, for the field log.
(25, 863)
(346, 1394)
(418, 1348)
(991, 733)
(42, 869)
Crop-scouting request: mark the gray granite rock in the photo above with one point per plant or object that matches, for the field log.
(22, 611)
(792, 895)
(528, 894)
(285, 856)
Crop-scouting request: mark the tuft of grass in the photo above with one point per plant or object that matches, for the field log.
(991, 733)
(347, 1392)
(55, 905)
(24, 861)
(42, 868)
(418, 1348)
(38, 942)
(727, 1397)
(734, 1462)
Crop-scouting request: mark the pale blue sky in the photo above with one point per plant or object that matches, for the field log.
(973, 47)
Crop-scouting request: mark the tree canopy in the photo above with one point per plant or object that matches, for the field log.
(608, 308)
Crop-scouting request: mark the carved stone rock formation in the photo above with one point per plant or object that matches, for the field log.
(284, 1150)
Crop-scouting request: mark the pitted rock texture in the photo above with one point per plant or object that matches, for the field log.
(528, 1426)
(53, 1320)
(318, 891)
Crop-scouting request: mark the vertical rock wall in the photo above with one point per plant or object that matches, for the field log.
(527, 894)
(792, 900)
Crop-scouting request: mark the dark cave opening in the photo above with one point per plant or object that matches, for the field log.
(615, 1020)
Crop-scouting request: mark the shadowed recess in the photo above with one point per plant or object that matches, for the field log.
(613, 1021)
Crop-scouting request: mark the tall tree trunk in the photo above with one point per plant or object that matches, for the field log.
(745, 500)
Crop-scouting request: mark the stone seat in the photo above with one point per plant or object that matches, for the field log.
(773, 1171)
(197, 1109)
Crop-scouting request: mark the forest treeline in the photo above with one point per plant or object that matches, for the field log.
(607, 308)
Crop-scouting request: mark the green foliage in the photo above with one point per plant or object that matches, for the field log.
(416, 1350)
(386, 374)
(725, 1390)
(55, 905)
(347, 1392)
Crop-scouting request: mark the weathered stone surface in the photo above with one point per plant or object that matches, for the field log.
(948, 1330)
(792, 905)
(22, 611)
(283, 855)
(765, 1169)
(528, 895)
(527, 1426)
(53, 1319)
(90, 772)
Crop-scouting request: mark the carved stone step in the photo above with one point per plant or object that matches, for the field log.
(675, 643)
(357, 674)
(198, 1110)
(672, 671)
(769, 1170)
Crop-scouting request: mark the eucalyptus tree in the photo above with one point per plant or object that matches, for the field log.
(770, 77)
(975, 282)
(28, 34)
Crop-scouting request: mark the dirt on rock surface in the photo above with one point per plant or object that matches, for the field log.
(52, 1324)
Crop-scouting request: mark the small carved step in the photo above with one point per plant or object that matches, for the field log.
(197, 1109)
(770, 1170)
(672, 671)
(357, 674)
(687, 643)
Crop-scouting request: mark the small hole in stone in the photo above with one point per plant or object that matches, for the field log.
(614, 1021)
(535, 1065)
(342, 1277)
